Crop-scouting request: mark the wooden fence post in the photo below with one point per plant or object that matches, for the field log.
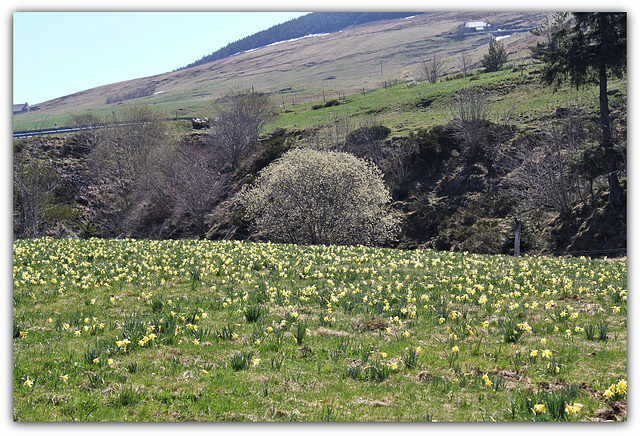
(516, 245)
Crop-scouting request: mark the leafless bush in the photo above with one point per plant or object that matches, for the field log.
(432, 68)
(34, 184)
(196, 186)
(539, 165)
(238, 121)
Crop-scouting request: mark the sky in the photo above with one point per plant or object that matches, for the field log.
(59, 53)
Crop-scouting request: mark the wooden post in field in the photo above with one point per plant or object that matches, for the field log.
(162, 228)
(516, 245)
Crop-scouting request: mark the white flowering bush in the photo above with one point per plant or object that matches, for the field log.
(321, 197)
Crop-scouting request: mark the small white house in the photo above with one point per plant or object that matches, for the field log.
(476, 25)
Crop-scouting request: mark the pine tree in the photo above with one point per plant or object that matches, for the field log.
(583, 50)
(496, 58)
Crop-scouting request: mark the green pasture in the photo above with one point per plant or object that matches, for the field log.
(138, 330)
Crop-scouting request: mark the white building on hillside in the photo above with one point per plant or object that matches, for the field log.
(476, 25)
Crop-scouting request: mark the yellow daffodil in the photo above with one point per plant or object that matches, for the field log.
(570, 409)
(64, 377)
(28, 382)
(622, 387)
(539, 408)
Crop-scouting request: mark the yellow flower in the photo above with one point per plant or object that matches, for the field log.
(570, 409)
(533, 353)
(455, 349)
(255, 361)
(488, 383)
(28, 382)
(608, 393)
(64, 377)
(547, 353)
(196, 342)
(538, 408)
(543, 341)
(622, 387)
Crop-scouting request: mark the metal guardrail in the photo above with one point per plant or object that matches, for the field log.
(29, 133)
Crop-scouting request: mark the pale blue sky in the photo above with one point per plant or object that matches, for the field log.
(59, 53)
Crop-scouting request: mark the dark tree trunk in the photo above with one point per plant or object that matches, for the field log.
(615, 192)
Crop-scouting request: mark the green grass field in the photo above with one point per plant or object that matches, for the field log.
(125, 330)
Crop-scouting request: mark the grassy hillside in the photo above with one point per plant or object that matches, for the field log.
(344, 63)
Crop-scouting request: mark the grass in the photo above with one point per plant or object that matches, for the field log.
(125, 330)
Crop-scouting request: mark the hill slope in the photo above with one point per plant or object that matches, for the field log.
(362, 56)
(310, 24)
